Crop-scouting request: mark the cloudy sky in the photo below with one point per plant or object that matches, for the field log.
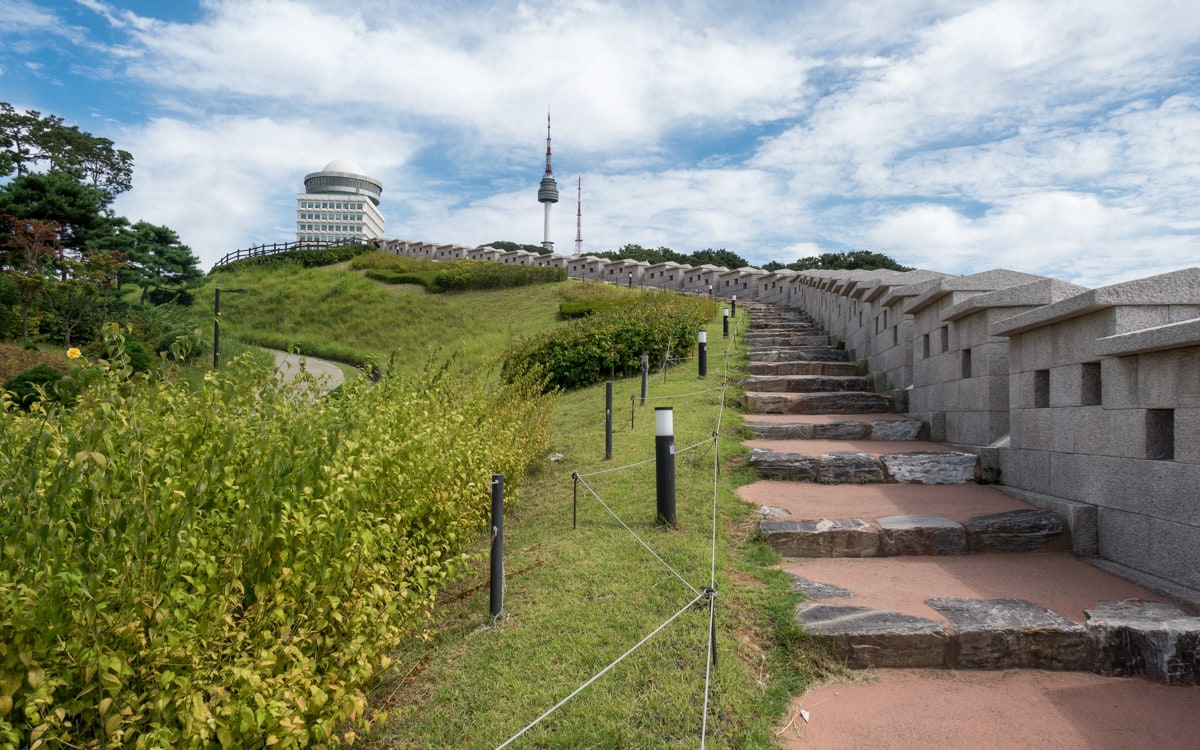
(1060, 138)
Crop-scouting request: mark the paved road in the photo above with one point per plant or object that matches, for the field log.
(328, 374)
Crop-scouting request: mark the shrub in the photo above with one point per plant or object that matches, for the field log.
(229, 564)
(303, 258)
(27, 387)
(458, 275)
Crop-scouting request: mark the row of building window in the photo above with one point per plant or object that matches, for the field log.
(343, 228)
(321, 238)
(333, 205)
(305, 216)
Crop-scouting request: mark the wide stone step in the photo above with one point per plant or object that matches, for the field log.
(796, 354)
(806, 383)
(783, 330)
(918, 467)
(844, 429)
(922, 534)
(830, 402)
(786, 339)
(1121, 638)
(802, 368)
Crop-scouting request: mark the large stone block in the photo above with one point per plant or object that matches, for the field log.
(1137, 637)
(931, 467)
(896, 429)
(1012, 531)
(1007, 633)
(920, 535)
(839, 537)
(778, 465)
(850, 466)
(818, 590)
(875, 638)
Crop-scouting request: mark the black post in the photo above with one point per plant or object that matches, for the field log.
(631, 279)
(725, 334)
(608, 420)
(575, 501)
(645, 374)
(702, 353)
(733, 306)
(216, 327)
(497, 599)
(632, 408)
(664, 464)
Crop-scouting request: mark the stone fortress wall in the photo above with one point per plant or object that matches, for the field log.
(1082, 401)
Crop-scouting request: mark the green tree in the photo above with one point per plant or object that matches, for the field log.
(29, 138)
(854, 260)
(57, 197)
(30, 253)
(722, 257)
(159, 262)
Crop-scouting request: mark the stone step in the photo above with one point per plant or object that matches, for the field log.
(806, 383)
(861, 428)
(833, 402)
(853, 464)
(786, 339)
(1044, 611)
(802, 368)
(796, 354)
(923, 534)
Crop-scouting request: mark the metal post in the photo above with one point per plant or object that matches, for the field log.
(216, 328)
(645, 374)
(632, 408)
(608, 420)
(733, 306)
(702, 354)
(664, 464)
(725, 334)
(631, 279)
(575, 501)
(497, 598)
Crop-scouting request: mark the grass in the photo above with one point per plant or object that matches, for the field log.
(578, 598)
(16, 359)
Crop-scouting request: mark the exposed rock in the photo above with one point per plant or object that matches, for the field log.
(818, 590)
(874, 637)
(896, 429)
(796, 354)
(781, 431)
(851, 402)
(776, 465)
(1148, 638)
(1012, 531)
(804, 383)
(1004, 633)
(838, 537)
(767, 511)
(920, 535)
(850, 466)
(931, 467)
(845, 430)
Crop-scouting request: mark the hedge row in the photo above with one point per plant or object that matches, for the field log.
(302, 258)
(228, 565)
(458, 275)
(610, 344)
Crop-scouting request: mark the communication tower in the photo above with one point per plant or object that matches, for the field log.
(579, 218)
(547, 191)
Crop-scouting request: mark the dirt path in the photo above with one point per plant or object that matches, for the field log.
(328, 374)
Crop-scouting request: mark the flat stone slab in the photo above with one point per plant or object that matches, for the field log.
(1006, 633)
(768, 511)
(931, 467)
(850, 402)
(849, 466)
(923, 534)
(844, 430)
(896, 429)
(801, 368)
(830, 537)
(781, 431)
(796, 354)
(805, 383)
(818, 590)
(1012, 531)
(791, 466)
(1138, 637)
(867, 637)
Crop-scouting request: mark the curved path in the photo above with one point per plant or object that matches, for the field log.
(328, 374)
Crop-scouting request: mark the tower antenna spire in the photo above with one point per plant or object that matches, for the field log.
(579, 218)
(547, 191)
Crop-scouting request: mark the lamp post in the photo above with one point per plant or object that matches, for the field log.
(631, 279)
(217, 322)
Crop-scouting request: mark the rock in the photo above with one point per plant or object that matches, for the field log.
(781, 431)
(920, 535)
(804, 383)
(839, 537)
(845, 430)
(767, 511)
(556, 457)
(931, 467)
(1012, 531)
(849, 466)
(896, 429)
(874, 637)
(1005, 633)
(836, 402)
(1148, 638)
(796, 354)
(818, 590)
(777, 465)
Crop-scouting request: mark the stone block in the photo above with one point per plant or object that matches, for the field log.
(795, 467)
(1012, 531)
(818, 590)
(1008, 633)
(844, 430)
(931, 467)
(1119, 382)
(850, 466)
(1170, 379)
(1021, 390)
(1082, 519)
(896, 429)
(920, 535)
(1032, 429)
(1187, 422)
(1066, 385)
(781, 431)
(1160, 489)
(1136, 637)
(839, 537)
(875, 638)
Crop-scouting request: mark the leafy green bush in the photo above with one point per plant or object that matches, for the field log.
(228, 565)
(303, 258)
(427, 279)
(458, 275)
(610, 344)
(380, 260)
(571, 309)
(140, 360)
(27, 387)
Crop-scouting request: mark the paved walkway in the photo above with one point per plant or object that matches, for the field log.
(328, 374)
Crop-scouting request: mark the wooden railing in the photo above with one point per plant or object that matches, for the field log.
(284, 247)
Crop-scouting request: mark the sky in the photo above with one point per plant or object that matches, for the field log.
(1059, 138)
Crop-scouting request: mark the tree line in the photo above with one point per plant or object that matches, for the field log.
(66, 259)
(865, 260)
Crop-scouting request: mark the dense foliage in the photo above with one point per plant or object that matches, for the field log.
(855, 260)
(304, 258)
(228, 565)
(610, 343)
(458, 275)
(723, 258)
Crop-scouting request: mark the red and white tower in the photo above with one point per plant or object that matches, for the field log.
(547, 191)
(579, 218)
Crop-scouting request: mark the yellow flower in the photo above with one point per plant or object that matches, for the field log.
(73, 353)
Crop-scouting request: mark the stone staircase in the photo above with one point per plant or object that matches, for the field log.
(904, 558)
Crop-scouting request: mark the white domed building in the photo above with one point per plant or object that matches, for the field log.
(339, 203)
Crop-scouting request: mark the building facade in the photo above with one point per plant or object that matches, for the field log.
(339, 203)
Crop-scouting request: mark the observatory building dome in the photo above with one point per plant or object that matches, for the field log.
(344, 176)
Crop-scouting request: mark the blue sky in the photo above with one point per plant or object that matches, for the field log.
(1060, 138)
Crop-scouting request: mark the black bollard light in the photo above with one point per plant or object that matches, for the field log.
(725, 333)
(497, 598)
(733, 306)
(645, 374)
(664, 464)
(608, 420)
(702, 353)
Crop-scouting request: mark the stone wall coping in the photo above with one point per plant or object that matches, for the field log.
(1034, 294)
(900, 294)
(903, 278)
(984, 281)
(1182, 335)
